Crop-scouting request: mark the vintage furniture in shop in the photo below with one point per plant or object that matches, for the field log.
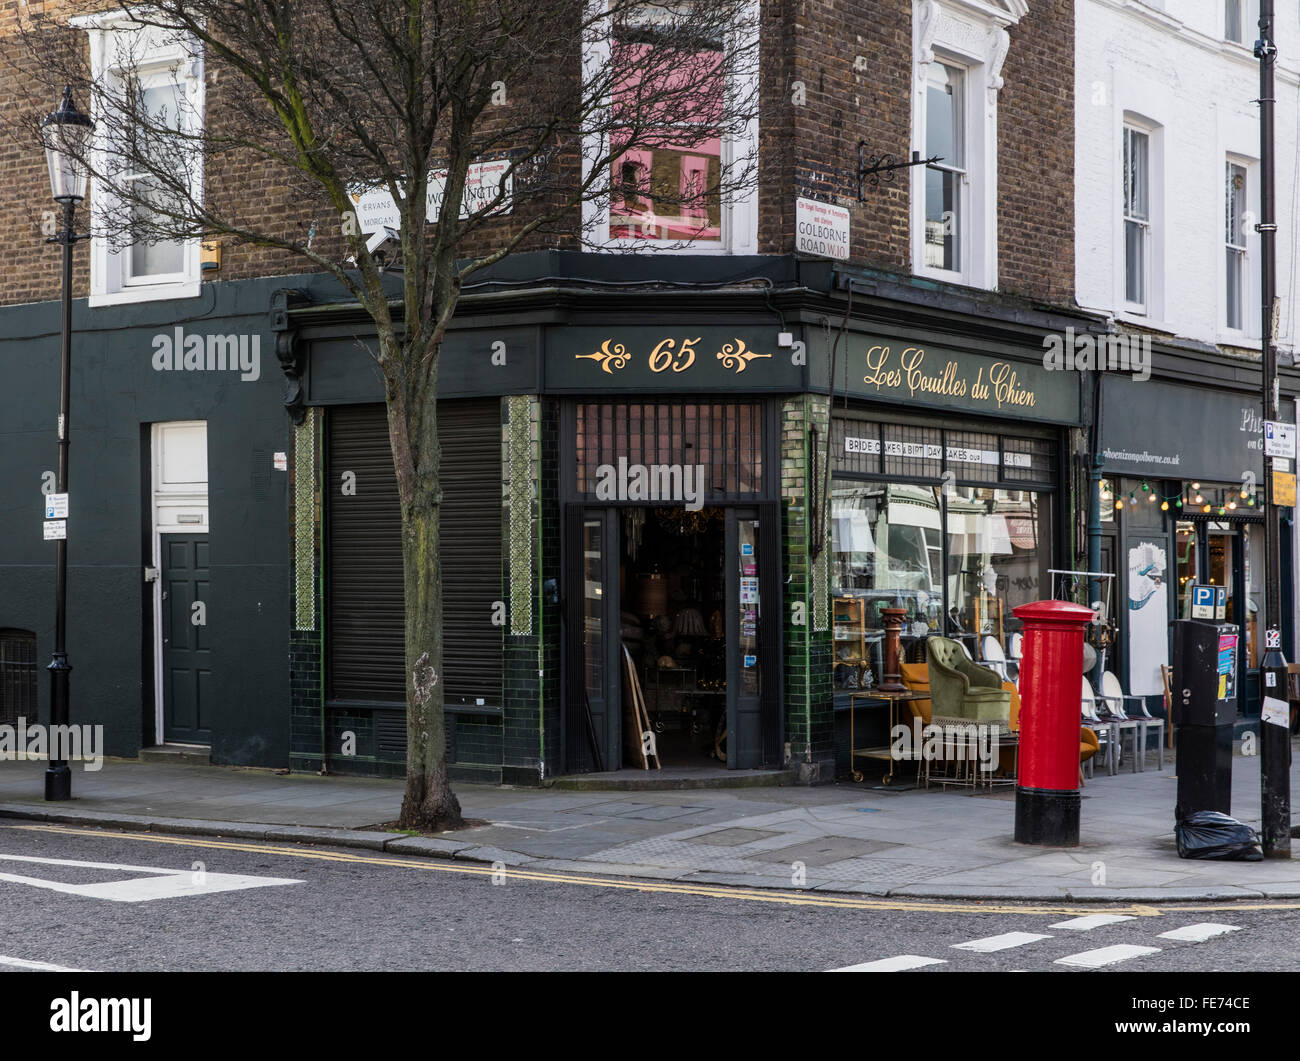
(960, 688)
(1088, 747)
(890, 700)
(851, 641)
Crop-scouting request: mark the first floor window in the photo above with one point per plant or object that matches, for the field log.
(944, 126)
(1137, 217)
(1235, 244)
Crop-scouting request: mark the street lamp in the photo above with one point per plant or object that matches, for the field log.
(66, 135)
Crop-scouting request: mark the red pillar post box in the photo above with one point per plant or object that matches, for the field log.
(1047, 793)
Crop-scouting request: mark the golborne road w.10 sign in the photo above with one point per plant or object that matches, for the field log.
(821, 229)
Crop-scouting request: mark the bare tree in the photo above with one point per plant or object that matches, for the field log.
(406, 102)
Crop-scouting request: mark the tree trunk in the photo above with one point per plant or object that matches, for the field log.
(429, 804)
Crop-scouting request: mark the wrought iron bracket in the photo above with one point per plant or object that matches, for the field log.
(876, 167)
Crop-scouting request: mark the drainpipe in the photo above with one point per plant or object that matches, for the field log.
(1094, 502)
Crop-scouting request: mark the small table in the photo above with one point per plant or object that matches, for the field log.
(891, 700)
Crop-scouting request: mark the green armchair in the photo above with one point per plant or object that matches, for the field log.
(962, 689)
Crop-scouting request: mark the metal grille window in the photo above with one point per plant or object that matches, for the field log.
(615, 438)
(972, 456)
(1137, 217)
(17, 676)
(1028, 460)
(855, 446)
(869, 448)
(1235, 243)
(915, 452)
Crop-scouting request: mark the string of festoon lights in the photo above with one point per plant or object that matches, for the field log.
(1195, 500)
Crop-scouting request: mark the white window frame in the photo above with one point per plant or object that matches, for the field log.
(739, 214)
(1249, 242)
(1151, 309)
(971, 34)
(959, 167)
(155, 56)
(1249, 28)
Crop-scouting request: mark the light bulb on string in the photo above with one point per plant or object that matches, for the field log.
(1119, 502)
(1164, 506)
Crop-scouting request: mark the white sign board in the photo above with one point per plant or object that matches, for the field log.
(55, 530)
(376, 208)
(1275, 712)
(56, 506)
(1279, 439)
(821, 229)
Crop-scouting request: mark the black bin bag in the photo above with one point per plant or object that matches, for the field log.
(1212, 834)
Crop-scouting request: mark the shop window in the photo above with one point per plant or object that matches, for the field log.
(1186, 557)
(886, 552)
(999, 545)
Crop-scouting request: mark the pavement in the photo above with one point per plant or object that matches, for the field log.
(857, 838)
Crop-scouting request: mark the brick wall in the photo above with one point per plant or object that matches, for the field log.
(834, 73)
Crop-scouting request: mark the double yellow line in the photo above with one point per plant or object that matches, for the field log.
(707, 891)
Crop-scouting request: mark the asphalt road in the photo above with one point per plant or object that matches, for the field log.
(151, 903)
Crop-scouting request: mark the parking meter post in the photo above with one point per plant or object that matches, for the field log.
(1275, 754)
(1051, 670)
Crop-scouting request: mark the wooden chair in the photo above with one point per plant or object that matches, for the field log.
(1088, 746)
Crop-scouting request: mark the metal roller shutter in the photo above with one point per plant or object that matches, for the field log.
(365, 649)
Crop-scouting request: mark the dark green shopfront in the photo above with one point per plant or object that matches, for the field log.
(638, 464)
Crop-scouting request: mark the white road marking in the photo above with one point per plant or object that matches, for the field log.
(40, 967)
(160, 884)
(1199, 933)
(1095, 959)
(892, 965)
(1003, 942)
(1082, 924)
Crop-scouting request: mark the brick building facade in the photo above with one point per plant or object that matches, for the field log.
(838, 448)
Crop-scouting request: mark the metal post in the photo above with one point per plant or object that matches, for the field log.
(1275, 741)
(58, 776)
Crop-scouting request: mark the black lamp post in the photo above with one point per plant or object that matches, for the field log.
(66, 134)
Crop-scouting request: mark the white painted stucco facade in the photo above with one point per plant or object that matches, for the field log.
(1166, 67)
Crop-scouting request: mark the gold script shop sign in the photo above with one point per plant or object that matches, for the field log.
(913, 372)
(998, 384)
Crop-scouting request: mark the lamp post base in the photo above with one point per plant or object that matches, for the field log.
(58, 782)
